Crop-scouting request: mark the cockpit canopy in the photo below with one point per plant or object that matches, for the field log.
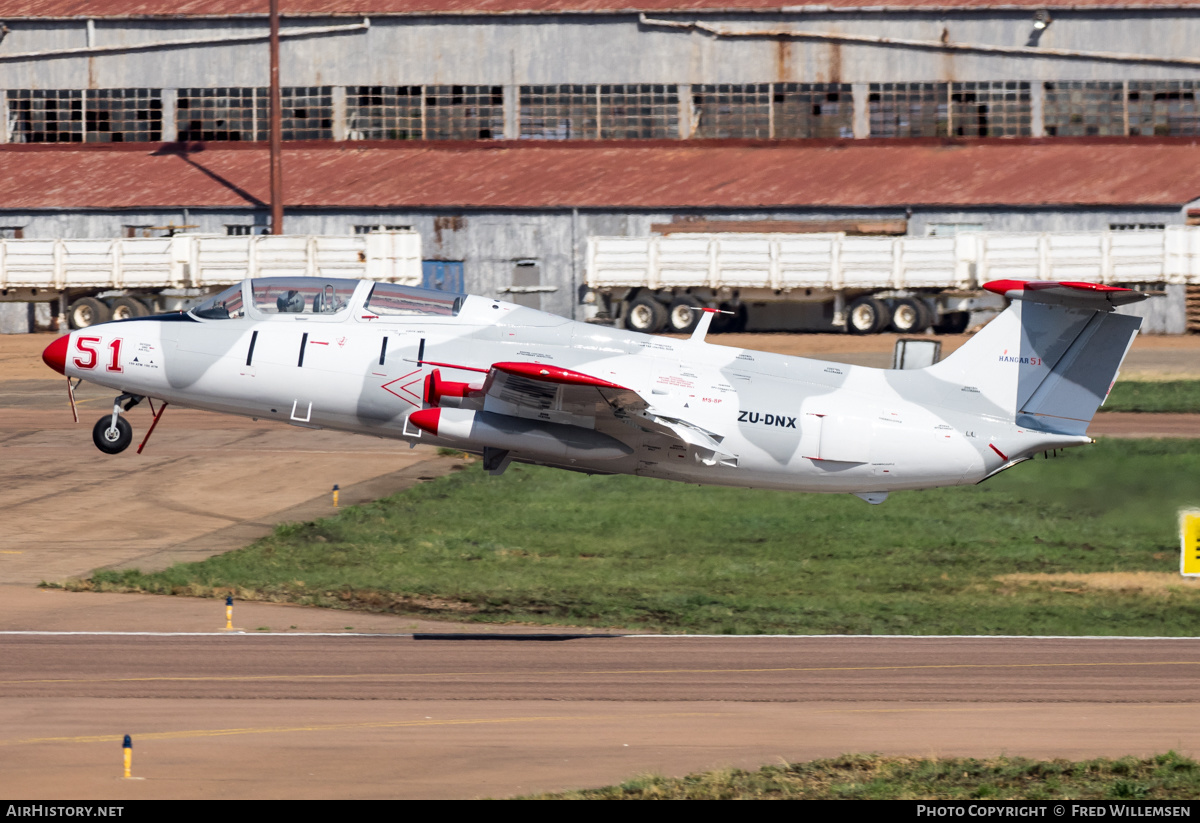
(326, 297)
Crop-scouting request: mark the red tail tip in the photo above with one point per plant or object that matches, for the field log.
(55, 355)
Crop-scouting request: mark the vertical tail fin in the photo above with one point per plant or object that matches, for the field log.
(1048, 361)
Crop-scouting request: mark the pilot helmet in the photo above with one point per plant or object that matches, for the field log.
(290, 301)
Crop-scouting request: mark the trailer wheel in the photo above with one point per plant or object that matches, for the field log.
(910, 316)
(86, 311)
(867, 315)
(954, 322)
(645, 314)
(680, 317)
(126, 308)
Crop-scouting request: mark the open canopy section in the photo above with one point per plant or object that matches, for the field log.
(393, 299)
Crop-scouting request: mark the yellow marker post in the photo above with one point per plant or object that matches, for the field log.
(229, 611)
(335, 496)
(1189, 536)
(128, 747)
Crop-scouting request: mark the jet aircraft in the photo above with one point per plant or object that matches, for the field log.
(513, 384)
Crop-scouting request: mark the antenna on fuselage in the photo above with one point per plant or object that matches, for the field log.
(706, 319)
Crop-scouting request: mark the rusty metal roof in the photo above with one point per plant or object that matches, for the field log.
(627, 175)
(16, 9)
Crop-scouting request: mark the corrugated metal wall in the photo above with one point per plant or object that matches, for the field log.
(597, 49)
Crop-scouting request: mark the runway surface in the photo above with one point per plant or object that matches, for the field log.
(258, 716)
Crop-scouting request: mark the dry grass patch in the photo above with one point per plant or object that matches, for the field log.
(1153, 584)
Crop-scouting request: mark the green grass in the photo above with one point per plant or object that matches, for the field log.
(546, 546)
(871, 777)
(1181, 396)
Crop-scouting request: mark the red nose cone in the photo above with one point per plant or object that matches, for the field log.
(55, 354)
(426, 419)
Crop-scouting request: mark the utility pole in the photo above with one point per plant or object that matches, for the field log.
(276, 127)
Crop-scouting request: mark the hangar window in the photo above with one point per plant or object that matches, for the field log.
(221, 114)
(75, 116)
(425, 112)
(639, 111)
(908, 109)
(464, 113)
(244, 114)
(384, 112)
(607, 112)
(45, 116)
(1164, 108)
(392, 299)
(1084, 109)
(1136, 226)
(559, 112)
(374, 227)
(991, 109)
(307, 112)
(820, 110)
(731, 110)
(123, 115)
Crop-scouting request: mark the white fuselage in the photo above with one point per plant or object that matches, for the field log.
(781, 422)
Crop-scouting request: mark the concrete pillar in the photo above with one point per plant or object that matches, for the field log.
(170, 115)
(512, 112)
(862, 111)
(1037, 108)
(339, 113)
(685, 111)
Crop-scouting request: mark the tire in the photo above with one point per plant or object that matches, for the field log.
(954, 322)
(646, 315)
(127, 308)
(112, 442)
(910, 316)
(680, 317)
(87, 311)
(867, 315)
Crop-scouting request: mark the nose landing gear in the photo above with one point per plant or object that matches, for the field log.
(112, 433)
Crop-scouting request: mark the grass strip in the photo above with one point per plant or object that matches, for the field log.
(1167, 776)
(551, 547)
(1174, 396)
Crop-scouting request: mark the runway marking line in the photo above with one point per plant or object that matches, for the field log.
(415, 675)
(385, 724)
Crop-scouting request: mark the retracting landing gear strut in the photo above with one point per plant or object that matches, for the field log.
(112, 434)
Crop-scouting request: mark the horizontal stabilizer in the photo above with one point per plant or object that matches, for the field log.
(1094, 296)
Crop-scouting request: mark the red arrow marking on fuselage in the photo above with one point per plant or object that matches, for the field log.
(404, 388)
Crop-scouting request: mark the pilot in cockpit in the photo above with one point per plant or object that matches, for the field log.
(290, 301)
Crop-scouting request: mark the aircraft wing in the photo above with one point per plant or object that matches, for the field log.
(553, 394)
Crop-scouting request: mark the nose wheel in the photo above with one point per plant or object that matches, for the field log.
(112, 433)
(112, 439)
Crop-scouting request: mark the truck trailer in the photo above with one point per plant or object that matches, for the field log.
(861, 284)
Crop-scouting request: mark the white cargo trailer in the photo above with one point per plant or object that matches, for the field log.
(97, 280)
(860, 284)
